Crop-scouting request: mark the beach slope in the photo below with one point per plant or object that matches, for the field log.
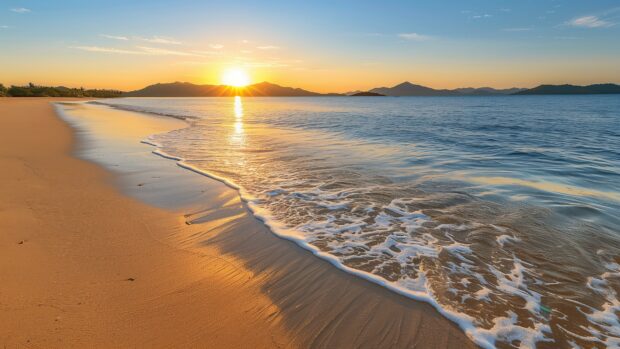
(80, 266)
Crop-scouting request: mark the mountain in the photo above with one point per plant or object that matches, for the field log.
(351, 93)
(186, 89)
(487, 91)
(367, 94)
(409, 89)
(572, 90)
(266, 89)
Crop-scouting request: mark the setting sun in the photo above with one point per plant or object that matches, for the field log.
(235, 77)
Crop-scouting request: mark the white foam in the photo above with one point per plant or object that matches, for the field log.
(605, 323)
(503, 239)
(506, 329)
(414, 288)
(514, 283)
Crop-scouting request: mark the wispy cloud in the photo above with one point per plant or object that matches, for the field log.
(520, 29)
(589, 22)
(4, 26)
(114, 37)
(414, 37)
(216, 46)
(139, 50)
(164, 52)
(486, 15)
(108, 50)
(20, 10)
(159, 40)
(268, 47)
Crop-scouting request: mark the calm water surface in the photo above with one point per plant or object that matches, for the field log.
(503, 212)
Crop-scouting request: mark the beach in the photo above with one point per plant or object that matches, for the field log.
(158, 256)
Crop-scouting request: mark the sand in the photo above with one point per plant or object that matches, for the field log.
(156, 256)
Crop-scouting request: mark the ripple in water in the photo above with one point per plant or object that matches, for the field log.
(500, 211)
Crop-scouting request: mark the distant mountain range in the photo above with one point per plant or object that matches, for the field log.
(572, 90)
(409, 89)
(186, 89)
(366, 94)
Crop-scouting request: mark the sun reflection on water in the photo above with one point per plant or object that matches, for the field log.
(237, 136)
(238, 107)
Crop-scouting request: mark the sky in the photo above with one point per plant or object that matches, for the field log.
(324, 46)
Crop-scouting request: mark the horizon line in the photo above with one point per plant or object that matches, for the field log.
(295, 87)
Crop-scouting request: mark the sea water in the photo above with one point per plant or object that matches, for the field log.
(502, 212)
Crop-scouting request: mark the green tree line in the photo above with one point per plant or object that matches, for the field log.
(32, 90)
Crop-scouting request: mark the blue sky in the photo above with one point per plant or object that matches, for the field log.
(321, 45)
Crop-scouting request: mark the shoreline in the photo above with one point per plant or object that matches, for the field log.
(464, 321)
(298, 299)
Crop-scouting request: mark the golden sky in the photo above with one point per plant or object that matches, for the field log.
(324, 47)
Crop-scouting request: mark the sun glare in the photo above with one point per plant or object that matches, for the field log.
(235, 77)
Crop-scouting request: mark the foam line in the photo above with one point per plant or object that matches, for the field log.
(482, 337)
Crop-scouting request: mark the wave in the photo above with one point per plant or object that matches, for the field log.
(139, 109)
(503, 328)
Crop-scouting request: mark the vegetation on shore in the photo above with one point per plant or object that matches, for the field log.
(32, 90)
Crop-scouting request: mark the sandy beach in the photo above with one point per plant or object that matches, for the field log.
(157, 256)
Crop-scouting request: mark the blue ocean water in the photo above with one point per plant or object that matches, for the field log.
(502, 212)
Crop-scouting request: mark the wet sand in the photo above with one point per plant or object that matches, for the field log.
(146, 254)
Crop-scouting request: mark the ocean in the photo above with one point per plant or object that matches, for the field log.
(501, 212)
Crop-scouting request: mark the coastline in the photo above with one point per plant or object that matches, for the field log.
(202, 283)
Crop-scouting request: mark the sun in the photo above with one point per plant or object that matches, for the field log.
(236, 77)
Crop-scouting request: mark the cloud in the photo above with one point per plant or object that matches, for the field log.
(108, 50)
(216, 46)
(486, 15)
(159, 40)
(521, 29)
(164, 52)
(20, 10)
(114, 37)
(268, 47)
(4, 26)
(589, 22)
(140, 50)
(414, 37)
